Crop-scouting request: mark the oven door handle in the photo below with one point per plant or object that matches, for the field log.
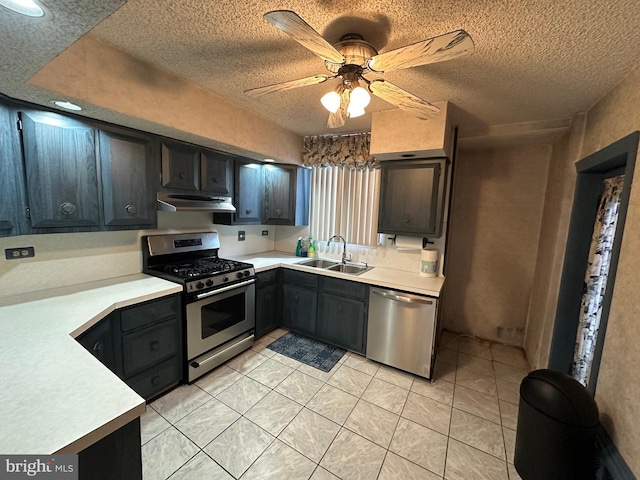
(225, 289)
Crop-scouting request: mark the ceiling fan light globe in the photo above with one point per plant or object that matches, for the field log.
(331, 101)
(360, 98)
(355, 111)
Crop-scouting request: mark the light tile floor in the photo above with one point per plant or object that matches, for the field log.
(265, 416)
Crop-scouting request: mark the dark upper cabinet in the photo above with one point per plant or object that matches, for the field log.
(248, 193)
(60, 162)
(278, 201)
(13, 218)
(216, 173)
(180, 165)
(412, 197)
(269, 195)
(127, 162)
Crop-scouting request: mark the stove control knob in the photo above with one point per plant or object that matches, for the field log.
(209, 283)
(225, 279)
(246, 274)
(199, 285)
(239, 275)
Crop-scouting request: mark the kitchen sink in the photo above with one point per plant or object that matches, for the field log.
(318, 263)
(348, 268)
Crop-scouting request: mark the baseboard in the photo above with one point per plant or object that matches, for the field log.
(612, 465)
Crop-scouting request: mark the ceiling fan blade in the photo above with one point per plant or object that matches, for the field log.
(290, 23)
(339, 118)
(279, 87)
(443, 47)
(403, 99)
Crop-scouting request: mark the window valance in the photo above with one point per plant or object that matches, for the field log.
(350, 151)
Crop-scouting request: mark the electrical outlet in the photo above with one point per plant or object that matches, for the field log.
(241, 236)
(265, 233)
(20, 252)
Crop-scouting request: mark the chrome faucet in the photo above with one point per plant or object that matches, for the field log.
(344, 247)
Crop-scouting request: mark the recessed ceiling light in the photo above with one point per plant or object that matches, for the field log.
(31, 8)
(67, 105)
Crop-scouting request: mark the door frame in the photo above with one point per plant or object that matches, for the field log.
(615, 159)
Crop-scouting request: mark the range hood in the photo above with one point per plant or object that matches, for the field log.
(178, 202)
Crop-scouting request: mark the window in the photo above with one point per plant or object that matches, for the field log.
(344, 202)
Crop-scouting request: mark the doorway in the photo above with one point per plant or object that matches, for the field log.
(612, 161)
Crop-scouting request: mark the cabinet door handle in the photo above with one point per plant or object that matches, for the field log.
(67, 208)
(340, 308)
(247, 211)
(155, 380)
(215, 179)
(297, 297)
(406, 219)
(181, 176)
(131, 209)
(278, 212)
(153, 346)
(152, 313)
(97, 349)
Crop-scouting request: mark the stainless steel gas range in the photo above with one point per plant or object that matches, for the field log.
(218, 296)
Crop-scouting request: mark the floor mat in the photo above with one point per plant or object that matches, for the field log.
(306, 350)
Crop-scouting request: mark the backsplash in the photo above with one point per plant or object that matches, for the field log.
(64, 259)
(385, 255)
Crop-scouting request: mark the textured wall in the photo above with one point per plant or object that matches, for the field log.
(497, 208)
(551, 246)
(95, 72)
(618, 388)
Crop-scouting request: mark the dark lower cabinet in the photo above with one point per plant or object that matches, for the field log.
(99, 342)
(299, 306)
(141, 344)
(341, 321)
(266, 309)
(117, 456)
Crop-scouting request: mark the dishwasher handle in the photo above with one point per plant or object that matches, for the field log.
(406, 298)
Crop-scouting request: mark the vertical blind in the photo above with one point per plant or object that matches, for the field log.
(344, 202)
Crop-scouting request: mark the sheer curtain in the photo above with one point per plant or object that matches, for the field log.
(344, 201)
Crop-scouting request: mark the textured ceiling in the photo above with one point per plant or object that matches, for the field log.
(534, 61)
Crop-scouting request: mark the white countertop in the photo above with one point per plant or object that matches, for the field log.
(384, 277)
(56, 397)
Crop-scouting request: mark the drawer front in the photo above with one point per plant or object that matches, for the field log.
(145, 348)
(344, 287)
(156, 380)
(266, 278)
(300, 278)
(149, 313)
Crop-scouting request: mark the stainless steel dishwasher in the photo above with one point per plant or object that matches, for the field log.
(401, 330)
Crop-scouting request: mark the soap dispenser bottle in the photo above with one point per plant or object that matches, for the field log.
(311, 251)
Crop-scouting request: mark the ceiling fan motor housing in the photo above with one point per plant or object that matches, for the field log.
(355, 51)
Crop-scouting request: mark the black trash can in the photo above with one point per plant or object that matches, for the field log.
(557, 423)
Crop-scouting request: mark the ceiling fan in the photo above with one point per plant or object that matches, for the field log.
(352, 58)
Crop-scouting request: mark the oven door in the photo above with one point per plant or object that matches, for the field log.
(217, 317)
